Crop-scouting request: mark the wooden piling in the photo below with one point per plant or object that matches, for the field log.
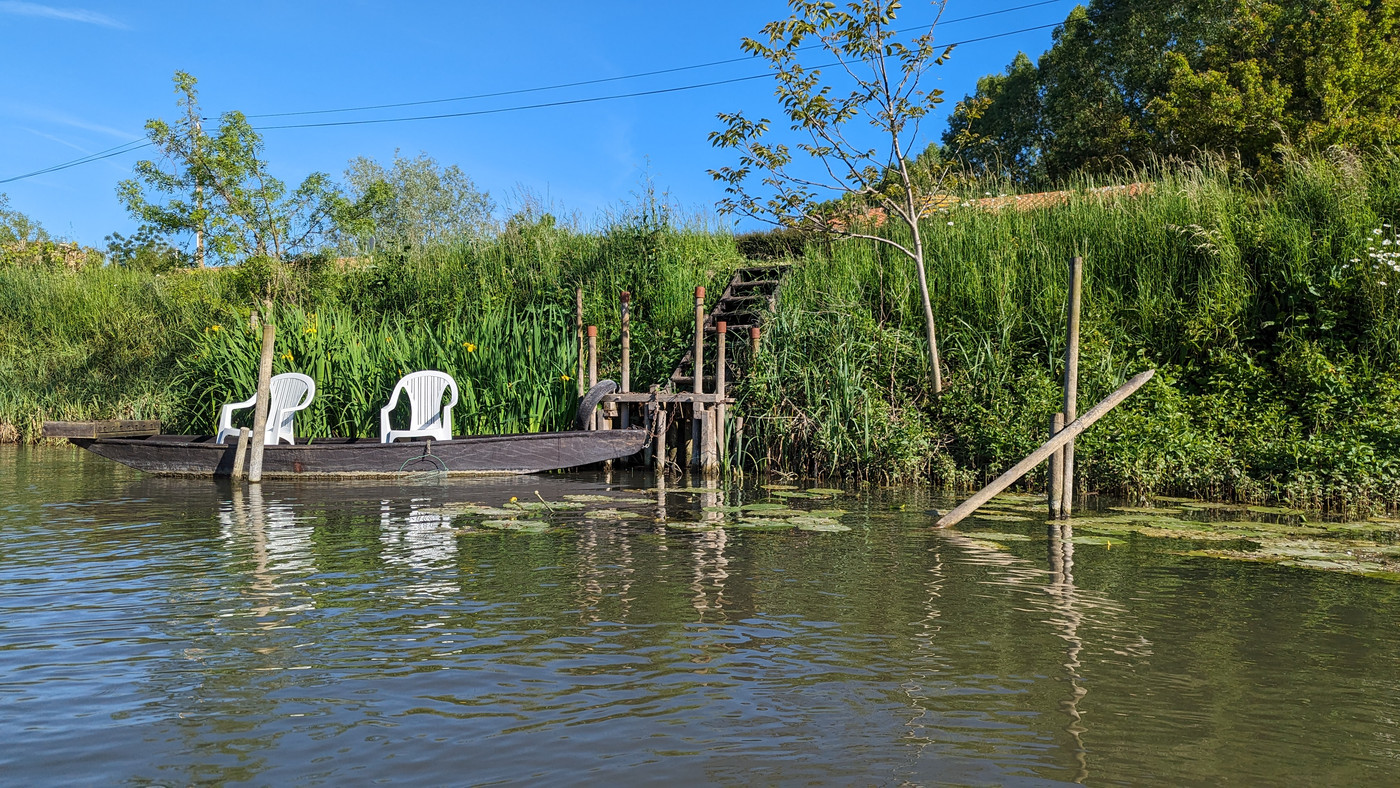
(255, 457)
(754, 334)
(1076, 281)
(578, 326)
(626, 329)
(593, 370)
(658, 452)
(721, 332)
(1056, 477)
(1045, 451)
(697, 411)
(240, 455)
(699, 387)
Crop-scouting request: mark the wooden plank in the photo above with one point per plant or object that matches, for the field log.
(1046, 449)
(113, 428)
(667, 397)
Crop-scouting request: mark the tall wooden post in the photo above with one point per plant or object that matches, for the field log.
(626, 415)
(240, 455)
(699, 340)
(721, 332)
(255, 458)
(754, 335)
(1055, 483)
(593, 371)
(658, 452)
(578, 326)
(1076, 281)
(697, 411)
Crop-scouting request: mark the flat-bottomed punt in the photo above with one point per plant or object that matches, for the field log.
(133, 444)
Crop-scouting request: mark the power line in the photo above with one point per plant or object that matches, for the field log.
(594, 99)
(135, 145)
(603, 80)
(126, 147)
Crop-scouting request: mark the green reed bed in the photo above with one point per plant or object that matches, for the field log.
(108, 342)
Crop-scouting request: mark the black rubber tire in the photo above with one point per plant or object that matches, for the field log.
(590, 402)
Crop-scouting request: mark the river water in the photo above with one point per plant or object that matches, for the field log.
(175, 631)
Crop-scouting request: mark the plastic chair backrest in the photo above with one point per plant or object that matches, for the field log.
(425, 391)
(289, 394)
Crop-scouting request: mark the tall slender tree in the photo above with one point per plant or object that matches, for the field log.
(837, 171)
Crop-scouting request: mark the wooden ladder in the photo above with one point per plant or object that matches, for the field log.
(752, 294)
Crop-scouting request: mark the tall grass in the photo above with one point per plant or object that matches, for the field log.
(106, 342)
(1279, 353)
(513, 369)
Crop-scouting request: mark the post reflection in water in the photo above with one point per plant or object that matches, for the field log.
(1062, 592)
(420, 539)
(708, 552)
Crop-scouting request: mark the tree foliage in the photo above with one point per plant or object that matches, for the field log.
(416, 202)
(1128, 81)
(220, 183)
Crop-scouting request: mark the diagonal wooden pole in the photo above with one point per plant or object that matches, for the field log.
(1043, 453)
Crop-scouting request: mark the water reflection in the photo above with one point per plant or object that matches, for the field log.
(319, 632)
(1061, 588)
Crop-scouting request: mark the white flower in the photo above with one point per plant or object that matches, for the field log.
(1356, 259)
(1376, 231)
(1386, 242)
(950, 224)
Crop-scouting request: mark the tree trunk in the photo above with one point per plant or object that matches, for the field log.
(930, 331)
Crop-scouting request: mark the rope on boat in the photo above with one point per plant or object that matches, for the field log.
(426, 455)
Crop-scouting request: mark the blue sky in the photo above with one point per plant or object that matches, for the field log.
(82, 76)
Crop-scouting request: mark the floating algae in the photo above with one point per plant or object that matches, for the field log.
(826, 526)
(1006, 518)
(826, 491)
(611, 514)
(992, 536)
(523, 526)
(764, 507)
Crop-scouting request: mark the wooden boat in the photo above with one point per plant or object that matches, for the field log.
(139, 445)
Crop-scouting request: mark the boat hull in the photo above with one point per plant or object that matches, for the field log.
(200, 455)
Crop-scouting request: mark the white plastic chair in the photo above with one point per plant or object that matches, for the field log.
(291, 392)
(427, 416)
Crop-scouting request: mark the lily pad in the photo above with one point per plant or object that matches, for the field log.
(990, 536)
(831, 513)
(780, 487)
(611, 514)
(588, 498)
(763, 507)
(1006, 518)
(826, 491)
(526, 526)
(686, 525)
(790, 494)
(822, 527)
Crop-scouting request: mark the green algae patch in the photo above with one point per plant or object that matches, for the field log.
(611, 514)
(1349, 556)
(1006, 518)
(522, 526)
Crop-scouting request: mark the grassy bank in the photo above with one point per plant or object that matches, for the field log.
(106, 342)
(1275, 332)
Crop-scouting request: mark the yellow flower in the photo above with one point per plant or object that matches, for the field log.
(513, 499)
(287, 356)
(216, 328)
(564, 378)
(469, 346)
(388, 339)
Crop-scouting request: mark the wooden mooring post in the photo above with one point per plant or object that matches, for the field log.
(593, 370)
(721, 332)
(578, 326)
(255, 458)
(240, 455)
(625, 417)
(1056, 477)
(1071, 405)
(1045, 451)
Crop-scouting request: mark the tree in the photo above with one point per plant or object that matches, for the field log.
(219, 186)
(416, 201)
(840, 176)
(16, 229)
(1127, 81)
